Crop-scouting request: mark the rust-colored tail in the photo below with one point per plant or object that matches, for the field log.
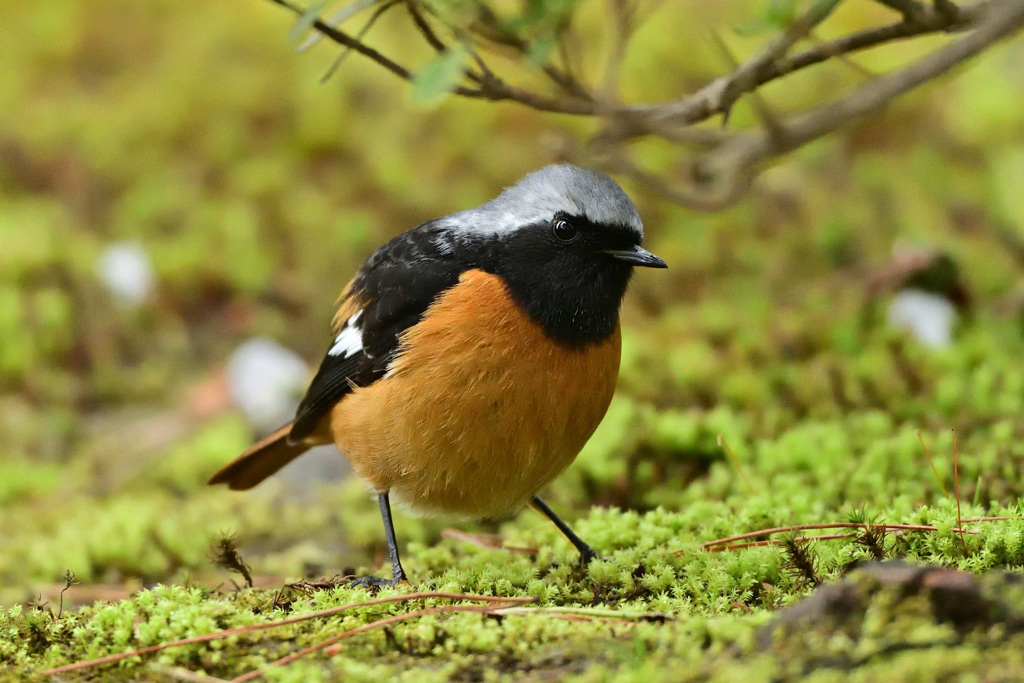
(261, 461)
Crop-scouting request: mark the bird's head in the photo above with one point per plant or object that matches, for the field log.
(566, 240)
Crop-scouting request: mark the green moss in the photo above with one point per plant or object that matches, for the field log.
(257, 192)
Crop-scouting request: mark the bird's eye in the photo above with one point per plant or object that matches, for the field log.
(563, 229)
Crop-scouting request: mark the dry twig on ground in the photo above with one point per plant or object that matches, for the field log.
(729, 543)
(242, 630)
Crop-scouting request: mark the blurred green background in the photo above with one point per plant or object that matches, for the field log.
(194, 133)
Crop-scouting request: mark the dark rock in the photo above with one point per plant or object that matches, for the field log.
(909, 594)
(956, 597)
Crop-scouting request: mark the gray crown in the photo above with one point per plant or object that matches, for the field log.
(538, 196)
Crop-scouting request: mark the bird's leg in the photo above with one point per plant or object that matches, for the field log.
(397, 573)
(586, 552)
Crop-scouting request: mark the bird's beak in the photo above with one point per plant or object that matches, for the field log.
(636, 257)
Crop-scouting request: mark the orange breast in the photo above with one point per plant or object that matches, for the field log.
(480, 410)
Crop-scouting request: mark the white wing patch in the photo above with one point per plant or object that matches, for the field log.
(350, 338)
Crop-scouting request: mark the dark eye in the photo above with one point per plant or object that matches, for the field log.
(563, 229)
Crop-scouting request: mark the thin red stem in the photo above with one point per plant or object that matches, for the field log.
(735, 462)
(836, 525)
(931, 462)
(773, 541)
(956, 487)
(241, 630)
(252, 675)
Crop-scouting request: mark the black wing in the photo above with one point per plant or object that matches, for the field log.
(393, 289)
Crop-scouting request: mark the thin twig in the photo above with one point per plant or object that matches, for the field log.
(985, 519)
(956, 488)
(428, 33)
(585, 612)
(966, 17)
(757, 102)
(809, 527)
(178, 673)
(424, 27)
(637, 120)
(845, 59)
(488, 27)
(494, 90)
(622, 12)
(743, 77)
(342, 38)
(735, 462)
(776, 541)
(722, 174)
(714, 546)
(634, 120)
(928, 454)
(241, 630)
(681, 194)
(911, 10)
(326, 644)
(330, 645)
(377, 14)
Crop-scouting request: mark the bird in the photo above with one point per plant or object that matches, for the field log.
(474, 355)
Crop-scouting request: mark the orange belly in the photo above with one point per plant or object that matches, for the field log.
(474, 418)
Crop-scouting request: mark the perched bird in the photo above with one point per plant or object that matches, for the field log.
(474, 355)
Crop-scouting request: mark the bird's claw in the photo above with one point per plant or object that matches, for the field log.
(587, 557)
(375, 583)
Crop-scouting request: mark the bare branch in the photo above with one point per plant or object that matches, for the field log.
(617, 161)
(342, 38)
(858, 68)
(947, 8)
(725, 171)
(720, 95)
(428, 33)
(960, 19)
(714, 98)
(242, 630)
(424, 27)
(912, 10)
(377, 14)
(488, 90)
(622, 13)
(745, 76)
(488, 27)
(758, 104)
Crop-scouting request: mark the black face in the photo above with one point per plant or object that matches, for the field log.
(570, 274)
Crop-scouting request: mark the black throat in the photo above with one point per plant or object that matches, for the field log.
(574, 293)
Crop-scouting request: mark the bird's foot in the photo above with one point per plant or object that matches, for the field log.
(375, 583)
(588, 555)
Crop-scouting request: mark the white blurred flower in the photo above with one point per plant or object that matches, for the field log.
(126, 271)
(265, 381)
(928, 317)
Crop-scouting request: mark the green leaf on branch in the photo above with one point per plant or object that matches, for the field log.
(774, 15)
(440, 75)
(541, 49)
(306, 21)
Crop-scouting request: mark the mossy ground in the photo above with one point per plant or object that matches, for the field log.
(194, 132)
